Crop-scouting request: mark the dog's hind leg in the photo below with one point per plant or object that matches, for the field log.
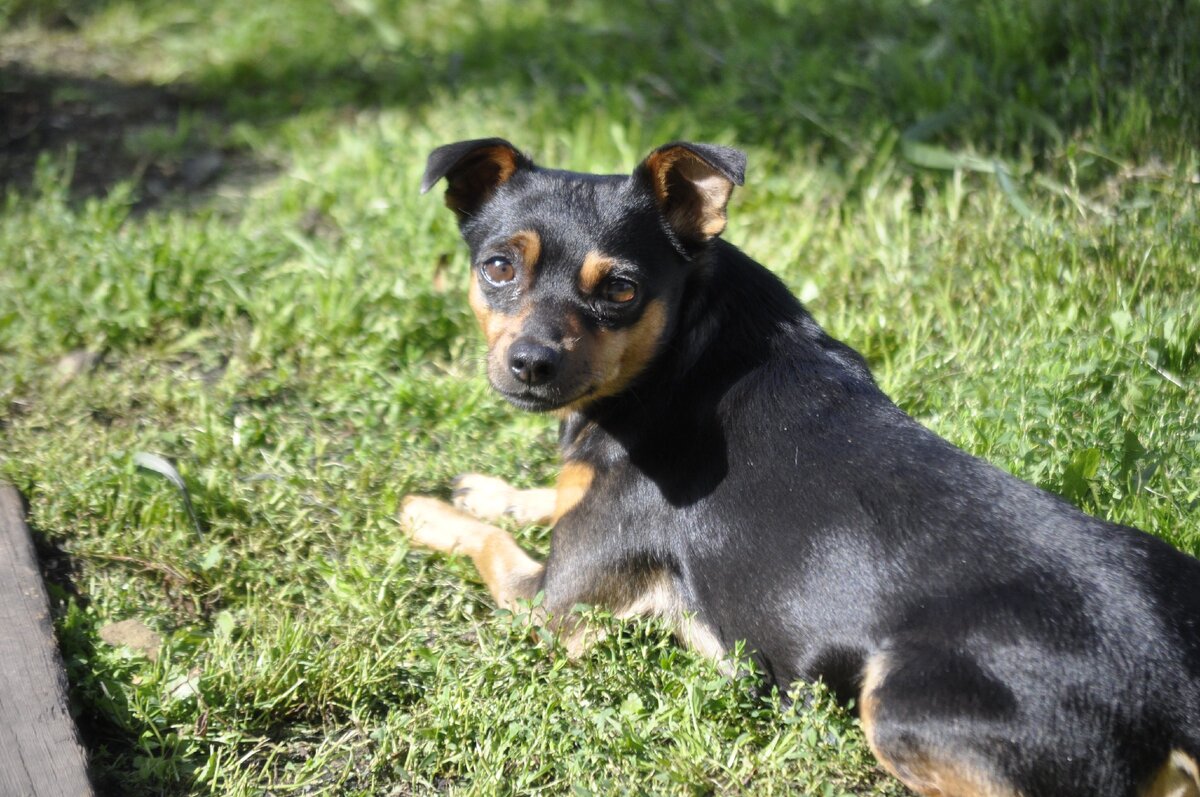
(932, 761)
(1178, 777)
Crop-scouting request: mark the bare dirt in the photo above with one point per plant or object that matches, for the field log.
(101, 126)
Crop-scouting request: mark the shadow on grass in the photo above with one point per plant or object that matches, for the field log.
(994, 76)
(114, 132)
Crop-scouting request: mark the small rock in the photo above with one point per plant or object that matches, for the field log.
(199, 170)
(75, 364)
(134, 635)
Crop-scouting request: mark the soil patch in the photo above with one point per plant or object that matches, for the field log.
(153, 136)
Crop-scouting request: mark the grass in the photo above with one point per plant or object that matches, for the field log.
(996, 202)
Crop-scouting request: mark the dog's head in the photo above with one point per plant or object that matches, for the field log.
(577, 278)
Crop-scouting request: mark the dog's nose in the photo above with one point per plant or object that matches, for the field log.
(531, 362)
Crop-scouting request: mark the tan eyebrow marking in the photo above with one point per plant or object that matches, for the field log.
(594, 269)
(529, 244)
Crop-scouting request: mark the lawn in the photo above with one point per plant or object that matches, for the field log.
(212, 249)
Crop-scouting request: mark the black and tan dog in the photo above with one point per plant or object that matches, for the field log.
(728, 465)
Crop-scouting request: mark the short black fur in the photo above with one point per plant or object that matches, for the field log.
(755, 464)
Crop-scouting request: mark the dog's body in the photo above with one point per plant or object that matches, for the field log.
(731, 467)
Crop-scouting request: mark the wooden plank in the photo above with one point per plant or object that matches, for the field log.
(40, 755)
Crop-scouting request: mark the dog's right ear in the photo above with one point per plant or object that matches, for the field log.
(692, 183)
(473, 171)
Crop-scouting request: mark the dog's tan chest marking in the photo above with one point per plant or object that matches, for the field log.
(509, 572)
(652, 595)
(574, 481)
(511, 575)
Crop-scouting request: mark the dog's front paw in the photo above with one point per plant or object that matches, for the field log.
(434, 524)
(492, 498)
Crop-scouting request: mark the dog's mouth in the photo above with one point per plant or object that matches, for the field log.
(531, 399)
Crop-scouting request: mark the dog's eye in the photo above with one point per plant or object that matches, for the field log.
(498, 270)
(618, 291)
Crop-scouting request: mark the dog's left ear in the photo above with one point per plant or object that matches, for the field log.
(692, 183)
(473, 171)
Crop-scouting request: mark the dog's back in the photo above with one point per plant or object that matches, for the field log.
(981, 620)
(990, 630)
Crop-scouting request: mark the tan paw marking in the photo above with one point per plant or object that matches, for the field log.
(434, 524)
(510, 573)
(490, 498)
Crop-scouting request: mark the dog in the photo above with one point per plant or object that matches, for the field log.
(729, 466)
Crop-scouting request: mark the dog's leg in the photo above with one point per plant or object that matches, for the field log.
(931, 759)
(512, 575)
(509, 573)
(1179, 777)
(490, 498)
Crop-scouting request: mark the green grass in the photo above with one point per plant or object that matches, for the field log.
(998, 203)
